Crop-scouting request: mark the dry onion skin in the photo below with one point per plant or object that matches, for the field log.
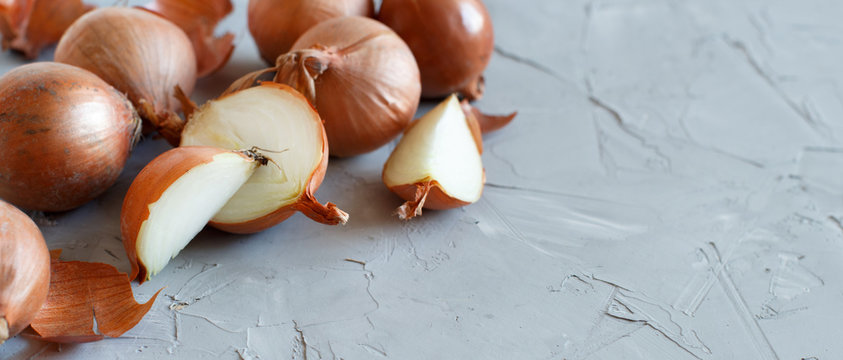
(437, 163)
(66, 136)
(276, 24)
(24, 271)
(140, 54)
(30, 25)
(198, 18)
(360, 76)
(452, 41)
(278, 120)
(487, 123)
(82, 292)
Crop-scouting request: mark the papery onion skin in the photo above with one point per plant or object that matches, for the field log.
(24, 271)
(276, 24)
(140, 54)
(198, 18)
(30, 25)
(153, 180)
(66, 136)
(361, 77)
(452, 41)
(424, 194)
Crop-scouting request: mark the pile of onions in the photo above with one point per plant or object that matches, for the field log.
(24, 271)
(276, 24)
(139, 53)
(452, 41)
(66, 136)
(361, 77)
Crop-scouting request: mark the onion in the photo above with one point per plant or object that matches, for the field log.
(437, 163)
(452, 41)
(276, 24)
(30, 25)
(66, 135)
(172, 199)
(278, 119)
(361, 77)
(140, 54)
(198, 18)
(24, 271)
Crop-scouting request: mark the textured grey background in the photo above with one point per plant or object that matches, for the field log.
(671, 189)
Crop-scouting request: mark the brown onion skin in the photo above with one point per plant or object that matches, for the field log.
(451, 52)
(137, 52)
(276, 24)
(369, 88)
(436, 199)
(24, 270)
(305, 199)
(66, 136)
(148, 187)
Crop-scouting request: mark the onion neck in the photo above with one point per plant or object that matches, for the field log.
(167, 123)
(301, 68)
(4, 330)
(413, 208)
(474, 89)
(328, 214)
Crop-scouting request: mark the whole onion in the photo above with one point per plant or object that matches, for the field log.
(64, 136)
(276, 24)
(452, 41)
(24, 271)
(140, 54)
(360, 76)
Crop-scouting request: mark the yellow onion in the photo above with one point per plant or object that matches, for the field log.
(276, 24)
(140, 54)
(66, 135)
(24, 271)
(360, 76)
(452, 41)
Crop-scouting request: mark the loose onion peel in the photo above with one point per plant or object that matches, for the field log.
(198, 18)
(81, 292)
(30, 25)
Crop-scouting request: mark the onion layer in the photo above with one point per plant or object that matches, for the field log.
(276, 24)
(67, 135)
(24, 271)
(452, 41)
(361, 77)
(140, 54)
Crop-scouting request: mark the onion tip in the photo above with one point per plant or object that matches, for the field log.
(413, 208)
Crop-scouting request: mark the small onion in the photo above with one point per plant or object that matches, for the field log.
(360, 76)
(66, 135)
(452, 41)
(276, 24)
(24, 271)
(140, 54)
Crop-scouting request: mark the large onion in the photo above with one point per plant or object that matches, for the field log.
(452, 41)
(24, 271)
(276, 24)
(361, 77)
(64, 136)
(30, 25)
(139, 53)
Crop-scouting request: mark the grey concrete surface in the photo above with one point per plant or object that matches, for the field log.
(672, 188)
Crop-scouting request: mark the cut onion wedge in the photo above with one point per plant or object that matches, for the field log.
(437, 163)
(280, 122)
(172, 199)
